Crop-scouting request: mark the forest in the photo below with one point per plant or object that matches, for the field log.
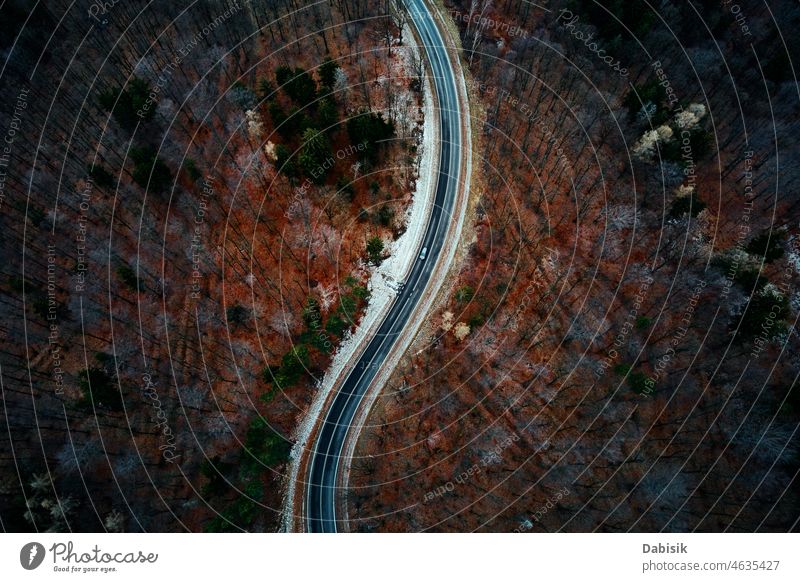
(193, 196)
(618, 349)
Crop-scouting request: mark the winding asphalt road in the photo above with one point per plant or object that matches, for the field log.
(319, 504)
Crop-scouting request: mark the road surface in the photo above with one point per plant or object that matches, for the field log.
(319, 504)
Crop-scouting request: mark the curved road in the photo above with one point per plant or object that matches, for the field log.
(320, 496)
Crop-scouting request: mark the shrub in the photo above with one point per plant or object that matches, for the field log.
(750, 280)
(99, 387)
(131, 105)
(215, 471)
(375, 250)
(150, 171)
(129, 278)
(650, 92)
(268, 373)
(237, 314)
(314, 155)
(288, 125)
(638, 382)
(238, 515)
(265, 447)
(191, 168)
(344, 188)
(327, 74)
(101, 176)
(266, 89)
(242, 96)
(767, 245)
(268, 396)
(285, 162)
(385, 215)
(622, 369)
(465, 294)
(369, 128)
(689, 204)
(765, 316)
(293, 364)
(699, 142)
(312, 314)
(297, 84)
(475, 321)
(327, 115)
(347, 306)
(360, 292)
(277, 114)
(336, 326)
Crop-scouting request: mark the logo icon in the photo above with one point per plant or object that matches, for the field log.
(31, 555)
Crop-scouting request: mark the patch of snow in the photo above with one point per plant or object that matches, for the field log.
(255, 126)
(646, 146)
